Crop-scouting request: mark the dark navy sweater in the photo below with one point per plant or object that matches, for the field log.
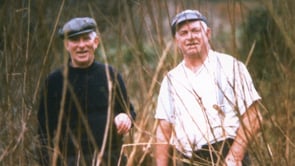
(85, 109)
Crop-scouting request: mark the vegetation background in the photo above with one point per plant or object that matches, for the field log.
(136, 39)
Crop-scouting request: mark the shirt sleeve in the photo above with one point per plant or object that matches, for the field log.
(244, 88)
(164, 109)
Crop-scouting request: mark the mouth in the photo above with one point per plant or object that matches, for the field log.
(83, 52)
(192, 44)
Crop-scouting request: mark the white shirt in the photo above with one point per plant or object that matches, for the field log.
(187, 100)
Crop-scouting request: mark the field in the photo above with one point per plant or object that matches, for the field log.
(136, 39)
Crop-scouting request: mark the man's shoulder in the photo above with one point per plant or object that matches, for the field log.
(57, 73)
(222, 56)
(229, 64)
(103, 67)
(226, 60)
(54, 78)
(177, 69)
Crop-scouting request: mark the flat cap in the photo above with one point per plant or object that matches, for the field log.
(77, 26)
(186, 15)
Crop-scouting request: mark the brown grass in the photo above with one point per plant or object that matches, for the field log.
(136, 40)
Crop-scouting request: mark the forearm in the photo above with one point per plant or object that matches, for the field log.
(162, 154)
(163, 134)
(250, 126)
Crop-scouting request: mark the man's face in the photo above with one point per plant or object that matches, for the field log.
(81, 49)
(192, 38)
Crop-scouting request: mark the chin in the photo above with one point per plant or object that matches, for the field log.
(193, 54)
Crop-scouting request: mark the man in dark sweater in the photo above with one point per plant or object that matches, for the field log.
(84, 107)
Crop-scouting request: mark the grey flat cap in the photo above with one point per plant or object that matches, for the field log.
(186, 15)
(77, 26)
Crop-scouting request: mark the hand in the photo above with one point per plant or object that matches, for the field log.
(231, 160)
(123, 123)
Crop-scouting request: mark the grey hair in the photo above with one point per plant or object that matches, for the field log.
(204, 25)
(92, 34)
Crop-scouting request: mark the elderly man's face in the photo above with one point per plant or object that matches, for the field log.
(81, 49)
(192, 38)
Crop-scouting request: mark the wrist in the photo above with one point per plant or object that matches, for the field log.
(237, 152)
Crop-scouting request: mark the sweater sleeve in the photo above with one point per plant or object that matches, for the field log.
(49, 105)
(122, 102)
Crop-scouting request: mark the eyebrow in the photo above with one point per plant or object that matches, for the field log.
(80, 36)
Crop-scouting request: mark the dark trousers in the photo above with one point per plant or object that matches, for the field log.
(85, 159)
(213, 154)
(112, 160)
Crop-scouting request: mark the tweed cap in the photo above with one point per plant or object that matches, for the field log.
(186, 15)
(77, 26)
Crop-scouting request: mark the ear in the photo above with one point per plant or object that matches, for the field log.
(208, 33)
(176, 45)
(96, 42)
(66, 44)
(175, 40)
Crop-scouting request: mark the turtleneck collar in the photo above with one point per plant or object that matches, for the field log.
(77, 69)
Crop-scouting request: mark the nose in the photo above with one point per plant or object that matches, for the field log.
(81, 42)
(191, 35)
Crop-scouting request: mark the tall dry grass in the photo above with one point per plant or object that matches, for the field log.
(136, 40)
